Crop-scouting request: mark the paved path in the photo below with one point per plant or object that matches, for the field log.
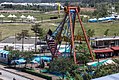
(9, 76)
(25, 75)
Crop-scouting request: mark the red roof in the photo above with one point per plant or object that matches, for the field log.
(105, 50)
(116, 48)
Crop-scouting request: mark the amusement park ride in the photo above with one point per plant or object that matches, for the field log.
(65, 33)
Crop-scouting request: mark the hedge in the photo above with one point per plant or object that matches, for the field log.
(37, 74)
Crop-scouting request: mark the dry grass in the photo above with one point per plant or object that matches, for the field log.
(9, 29)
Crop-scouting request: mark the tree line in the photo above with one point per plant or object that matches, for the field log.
(46, 1)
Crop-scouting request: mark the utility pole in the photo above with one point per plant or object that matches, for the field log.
(15, 42)
(35, 42)
(0, 36)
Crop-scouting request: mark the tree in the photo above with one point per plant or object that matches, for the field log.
(27, 55)
(117, 7)
(13, 56)
(22, 36)
(76, 76)
(63, 65)
(83, 55)
(106, 32)
(39, 32)
(101, 11)
(90, 33)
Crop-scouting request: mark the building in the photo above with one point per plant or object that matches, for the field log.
(105, 42)
(105, 47)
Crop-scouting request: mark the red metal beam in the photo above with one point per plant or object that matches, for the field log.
(72, 36)
(84, 32)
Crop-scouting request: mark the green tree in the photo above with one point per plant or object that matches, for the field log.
(21, 36)
(106, 32)
(63, 65)
(39, 32)
(14, 54)
(90, 33)
(27, 55)
(101, 11)
(117, 7)
(76, 76)
(83, 55)
(115, 34)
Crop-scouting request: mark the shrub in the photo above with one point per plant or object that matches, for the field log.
(37, 74)
(62, 65)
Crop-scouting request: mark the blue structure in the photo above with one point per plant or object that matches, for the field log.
(4, 58)
(102, 19)
(93, 20)
(106, 18)
(37, 59)
(18, 61)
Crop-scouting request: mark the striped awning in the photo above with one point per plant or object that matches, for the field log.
(4, 51)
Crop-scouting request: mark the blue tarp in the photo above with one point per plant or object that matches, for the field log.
(21, 60)
(18, 61)
(37, 59)
(46, 58)
(106, 18)
(93, 20)
(109, 77)
(102, 19)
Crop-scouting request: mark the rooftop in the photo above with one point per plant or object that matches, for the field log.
(105, 38)
(105, 50)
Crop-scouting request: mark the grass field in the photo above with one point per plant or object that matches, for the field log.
(100, 28)
(9, 29)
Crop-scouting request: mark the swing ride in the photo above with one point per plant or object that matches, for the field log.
(64, 34)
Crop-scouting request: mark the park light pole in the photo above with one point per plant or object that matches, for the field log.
(0, 36)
